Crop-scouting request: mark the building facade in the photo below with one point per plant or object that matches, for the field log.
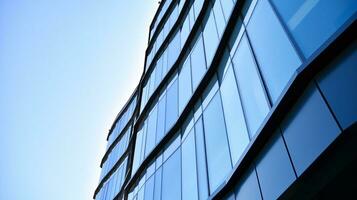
(252, 99)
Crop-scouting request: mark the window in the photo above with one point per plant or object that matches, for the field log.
(198, 63)
(149, 189)
(137, 153)
(171, 104)
(274, 169)
(160, 129)
(189, 172)
(185, 86)
(308, 129)
(275, 55)
(250, 87)
(227, 6)
(151, 131)
(211, 39)
(158, 180)
(198, 6)
(248, 187)
(158, 72)
(309, 22)
(236, 129)
(174, 49)
(185, 30)
(201, 160)
(218, 15)
(171, 177)
(219, 163)
(338, 84)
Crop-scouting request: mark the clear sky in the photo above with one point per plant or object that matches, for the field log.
(66, 69)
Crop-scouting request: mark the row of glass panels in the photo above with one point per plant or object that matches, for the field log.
(117, 152)
(249, 84)
(177, 93)
(160, 15)
(122, 122)
(169, 56)
(113, 185)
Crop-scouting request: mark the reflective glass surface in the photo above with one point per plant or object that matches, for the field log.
(185, 86)
(275, 55)
(219, 162)
(309, 22)
(236, 129)
(171, 105)
(248, 187)
(210, 37)
(171, 177)
(151, 131)
(250, 87)
(198, 63)
(160, 129)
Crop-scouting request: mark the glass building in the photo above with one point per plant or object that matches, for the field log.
(252, 99)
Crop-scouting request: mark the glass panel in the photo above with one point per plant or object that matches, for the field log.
(149, 189)
(309, 22)
(248, 187)
(160, 130)
(210, 37)
(171, 180)
(227, 6)
(198, 63)
(137, 152)
(185, 31)
(308, 129)
(201, 161)
(237, 131)
(185, 86)
(219, 17)
(158, 179)
(174, 49)
(151, 131)
(250, 87)
(276, 56)
(189, 172)
(219, 163)
(274, 169)
(172, 105)
(338, 84)
(198, 6)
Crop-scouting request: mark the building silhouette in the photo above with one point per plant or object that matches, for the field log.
(240, 100)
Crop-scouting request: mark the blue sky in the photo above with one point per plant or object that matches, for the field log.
(66, 69)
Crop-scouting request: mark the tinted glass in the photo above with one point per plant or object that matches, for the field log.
(227, 6)
(198, 63)
(171, 105)
(274, 169)
(185, 31)
(189, 172)
(276, 56)
(219, 17)
(158, 72)
(219, 163)
(210, 37)
(308, 22)
(160, 129)
(185, 86)
(236, 129)
(149, 188)
(158, 179)
(248, 187)
(138, 150)
(250, 87)
(174, 49)
(171, 177)
(338, 84)
(197, 6)
(308, 129)
(201, 160)
(151, 131)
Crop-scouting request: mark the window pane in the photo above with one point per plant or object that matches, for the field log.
(201, 161)
(158, 179)
(309, 22)
(198, 63)
(151, 131)
(210, 37)
(227, 6)
(189, 172)
(174, 49)
(171, 180)
(198, 6)
(185, 87)
(250, 87)
(338, 84)
(219, 163)
(172, 105)
(236, 129)
(160, 130)
(138, 150)
(309, 129)
(185, 31)
(274, 169)
(276, 56)
(219, 17)
(149, 189)
(248, 187)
